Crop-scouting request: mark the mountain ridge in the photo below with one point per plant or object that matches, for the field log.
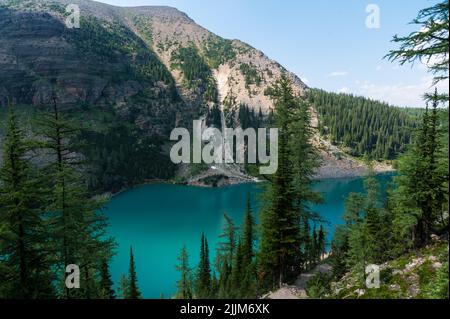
(152, 68)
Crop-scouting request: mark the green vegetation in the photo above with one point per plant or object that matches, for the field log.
(250, 74)
(363, 126)
(184, 285)
(419, 274)
(196, 72)
(377, 232)
(23, 256)
(219, 51)
(132, 290)
(198, 77)
(429, 43)
(113, 42)
(53, 222)
(123, 156)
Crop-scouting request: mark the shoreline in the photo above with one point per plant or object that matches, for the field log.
(237, 181)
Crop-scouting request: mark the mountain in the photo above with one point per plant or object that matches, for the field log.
(131, 75)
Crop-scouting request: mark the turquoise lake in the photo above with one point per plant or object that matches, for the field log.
(157, 220)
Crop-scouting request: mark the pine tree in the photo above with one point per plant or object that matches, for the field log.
(203, 280)
(237, 274)
(429, 43)
(422, 182)
(24, 249)
(249, 279)
(369, 228)
(132, 291)
(123, 287)
(339, 249)
(279, 220)
(214, 286)
(248, 235)
(106, 283)
(78, 229)
(184, 285)
(224, 256)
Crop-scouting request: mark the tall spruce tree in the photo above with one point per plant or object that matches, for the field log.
(24, 247)
(123, 287)
(237, 273)
(248, 235)
(287, 197)
(224, 256)
(132, 291)
(203, 279)
(249, 278)
(184, 285)
(106, 283)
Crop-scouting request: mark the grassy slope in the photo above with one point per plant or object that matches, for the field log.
(419, 274)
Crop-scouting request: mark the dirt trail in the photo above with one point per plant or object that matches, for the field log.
(298, 290)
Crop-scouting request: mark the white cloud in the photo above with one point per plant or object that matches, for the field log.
(337, 73)
(400, 94)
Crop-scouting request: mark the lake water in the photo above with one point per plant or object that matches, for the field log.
(157, 220)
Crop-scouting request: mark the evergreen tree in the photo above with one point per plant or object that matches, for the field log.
(203, 280)
(24, 248)
(339, 248)
(248, 235)
(184, 285)
(304, 159)
(224, 256)
(214, 285)
(237, 274)
(132, 291)
(368, 227)
(123, 287)
(280, 233)
(249, 279)
(78, 229)
(422, 183)
(106, 283)
(429, 43)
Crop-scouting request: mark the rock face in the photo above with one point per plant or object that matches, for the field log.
(172, 30)
(41, 58)
(45, 51)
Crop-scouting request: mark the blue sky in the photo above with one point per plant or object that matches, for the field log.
(325, 42)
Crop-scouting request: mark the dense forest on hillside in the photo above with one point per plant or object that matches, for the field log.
(363, 126)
